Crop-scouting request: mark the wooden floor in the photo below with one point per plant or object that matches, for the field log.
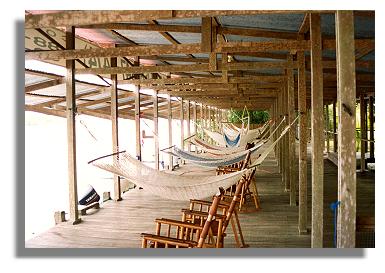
(119, 224)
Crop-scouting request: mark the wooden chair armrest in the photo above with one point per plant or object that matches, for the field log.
(179, 223)
(168, 240)
(201, 214)
(208, 203)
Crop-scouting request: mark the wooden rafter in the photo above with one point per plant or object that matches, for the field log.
(94, 17)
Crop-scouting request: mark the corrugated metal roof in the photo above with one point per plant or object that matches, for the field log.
(145, 37)
(186, 38)
(290, 22)
(33, 79)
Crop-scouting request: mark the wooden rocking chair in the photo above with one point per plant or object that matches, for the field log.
(198, 213)
(246, 191)
(182, 234)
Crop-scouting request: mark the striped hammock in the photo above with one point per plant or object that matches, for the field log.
(206, 161)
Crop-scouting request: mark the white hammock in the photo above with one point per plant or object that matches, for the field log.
(167, 185)
(173, 186)
(217, 137)
(231, 132)
(215, 150)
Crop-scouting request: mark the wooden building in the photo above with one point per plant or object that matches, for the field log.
(200, 64)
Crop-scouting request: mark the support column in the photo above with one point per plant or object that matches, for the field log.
(291, 136)
(362, 130)
(169, 117)
(371, 125)
(209, 117)
(366, 124)
(302, 177)
(115, 133)
(281, 142)
(137, 117)
(346, 94)
(71, 130)
(156, 131)
(195, 123)
(188, 125)
(202, 121)
(195, 117)
(327, 128)
(203, 116)
(286, 160)
(335, 140)
(317, 127)
(181, 124)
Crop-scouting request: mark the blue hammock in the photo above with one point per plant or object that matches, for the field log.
(232, 142)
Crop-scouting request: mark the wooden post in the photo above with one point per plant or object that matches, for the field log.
(371, 125)
(181, 124)
(346, 93)
(327, 128)
(203, 116)
(291, 137)
(366, 124)
(188, 125)
(280, 146)
(335, 140)
(169, 116)
(156, 131)
(286, 157)
(317, 127)
(302, 161)
(71, 129)
(115, 130)
(209, 117)
(195, 122)
(202, 121)
(137, 117)
(362, 130)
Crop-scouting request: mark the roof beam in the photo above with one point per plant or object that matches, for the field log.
(305, 26)
(227, 47)
(213, 80)
(183, 68)
(94, 17)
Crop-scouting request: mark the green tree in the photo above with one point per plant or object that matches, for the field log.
(256, 117)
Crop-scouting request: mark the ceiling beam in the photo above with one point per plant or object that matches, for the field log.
(183, 68)
(94, 17)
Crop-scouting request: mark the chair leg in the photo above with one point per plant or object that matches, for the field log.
(144, 243)
(256, 196)
(238, 224)
(242, 199)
